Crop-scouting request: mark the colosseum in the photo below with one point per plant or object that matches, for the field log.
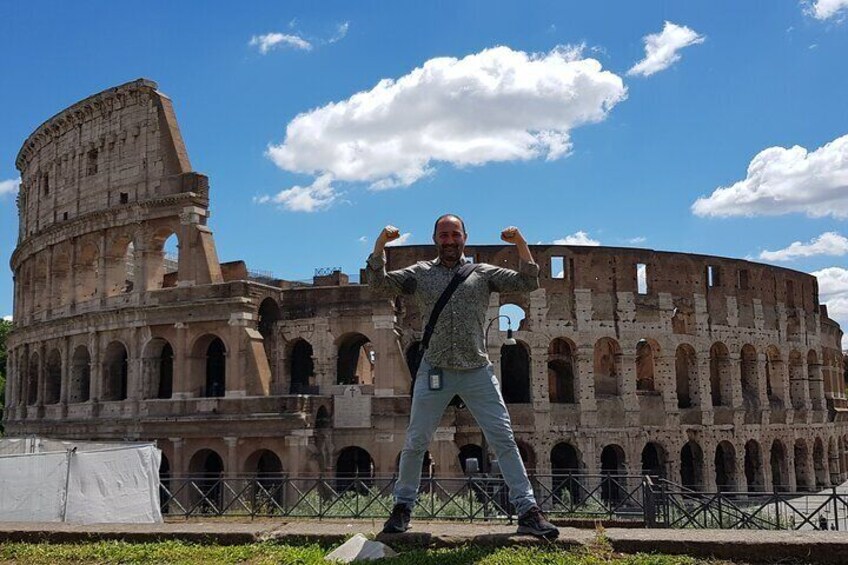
(718, 373)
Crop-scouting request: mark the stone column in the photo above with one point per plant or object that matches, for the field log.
(539, 387)
(762, 391)
(72, 275)
(96, 373)
(704, 392)
(66, 374)
(48, 287)
(100, 293)
(627, 388)
(741, 478)
(709, 449)
(584, 385)
(182, 380)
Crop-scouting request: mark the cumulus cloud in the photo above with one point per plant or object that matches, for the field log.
(828, 243)
(341, 32)
(577, 238)
(401, 240)
(637, 240)
(833, 291)
(9, 186)
(493, 106)
(826, 9)
(317, 196)
(781, 181)
(7, 318)
(661, 49)
(271, 40)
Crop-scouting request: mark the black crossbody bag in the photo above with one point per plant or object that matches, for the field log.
(463, 273)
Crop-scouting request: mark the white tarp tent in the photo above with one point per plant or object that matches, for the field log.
(79, 482)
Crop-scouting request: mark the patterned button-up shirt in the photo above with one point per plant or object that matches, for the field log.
(458, 340)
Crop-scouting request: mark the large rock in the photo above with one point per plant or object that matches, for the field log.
(360, 548)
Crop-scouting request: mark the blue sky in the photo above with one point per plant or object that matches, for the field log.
(495, 130)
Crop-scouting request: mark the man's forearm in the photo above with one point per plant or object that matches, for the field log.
(524, 252)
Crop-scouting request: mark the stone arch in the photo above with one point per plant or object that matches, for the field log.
(561, 371)
(750, 385)
(528, 455)
(115, 372)
(159, 265)
(686, 372)
(517, 315)
(804, 480)
(268, 316)
(61, 273)
(607, 368)
(754, 476)
(86, 271)
(263, 463)
(301, 367)
(725, 467)
(356, 360)
(207, 469)
(40, 283)
(209, 354)
(654, 459)
(354, 469)
(158, 368)
(774, 377)
(79, 385)
(471, 451)
(720, 375)
(53, 377)
(646, 351)
(797, 380)
(323, 420)
(613, 466)
(120, 260)
(515, 373)
(34, 369)
(566, 462)
(779, 467)
(820, 464)
(427, 465)
(692, 465)
(814, 378)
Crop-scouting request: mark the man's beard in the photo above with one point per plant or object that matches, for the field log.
(451, 252)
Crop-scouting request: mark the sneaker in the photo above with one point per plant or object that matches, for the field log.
(398, 521)
(534, 522)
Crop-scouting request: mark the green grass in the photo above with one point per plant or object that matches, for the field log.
(262, 553)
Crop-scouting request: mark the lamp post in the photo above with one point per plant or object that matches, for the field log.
(484, 464)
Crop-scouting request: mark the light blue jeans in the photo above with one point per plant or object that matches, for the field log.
(479, 389)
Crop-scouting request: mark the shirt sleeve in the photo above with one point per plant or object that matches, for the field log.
(391, 283)
(525, 279)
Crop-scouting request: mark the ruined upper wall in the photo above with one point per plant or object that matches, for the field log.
(118, 147)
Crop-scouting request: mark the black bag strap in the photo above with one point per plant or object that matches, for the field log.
(463, 273)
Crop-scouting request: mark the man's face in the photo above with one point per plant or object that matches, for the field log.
(450, 239)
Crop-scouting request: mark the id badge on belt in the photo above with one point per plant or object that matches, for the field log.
(434, 378)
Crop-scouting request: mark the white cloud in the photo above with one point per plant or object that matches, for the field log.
(317, 196)
(577, 238)
(363, 239)
(495, 105)
(270, 40)
(833, 291)
(781, 181)
(637, 240)
(9, 186)
(341, 32)
(826, 9)
(7, 318)
(661, 48)
(828, 243)
(401, 240)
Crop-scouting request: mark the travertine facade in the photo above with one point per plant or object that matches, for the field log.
(717, 372)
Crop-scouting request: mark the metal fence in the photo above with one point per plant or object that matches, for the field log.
(642, 500)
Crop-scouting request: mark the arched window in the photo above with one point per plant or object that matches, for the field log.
(653, 459)
(644, 366)
(32, 381)
(80, 381)
(779, 467)
(607, 368)
(750, 388)
(613, 467)
(725, 467)
(356, 360)
(354, 470)
(803, 478)
(115, 372)
(566, 467)
(515, 373)
(471, 452)
(301, 368)
(685, 370)
(560, 372)
(720, 386)
(754, 466)
(207, 470)
(53, 378)
(216, 369)
(692, 466)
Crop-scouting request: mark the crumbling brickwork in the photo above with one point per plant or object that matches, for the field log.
(716, 372)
